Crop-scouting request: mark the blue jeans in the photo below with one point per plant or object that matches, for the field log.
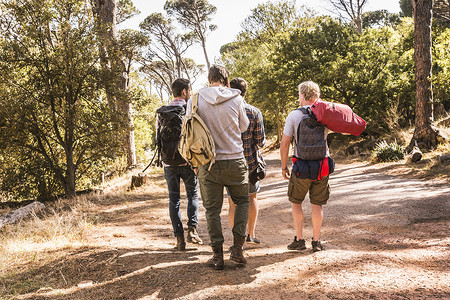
(173, 174)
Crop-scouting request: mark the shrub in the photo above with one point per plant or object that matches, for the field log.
(384, 152)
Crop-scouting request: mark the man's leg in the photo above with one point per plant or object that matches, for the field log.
(316, 218)
(173, 184)
(252, 214)
(236, 179)
(240, 197)
(190, 183)
(297, 216)
(319, 194)
(231, 211)
(212, 197)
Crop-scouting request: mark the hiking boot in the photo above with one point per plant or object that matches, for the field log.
(181, 244)
(237, 252)
(192, 236)
(297, 245)
(317, 246)
(217, 260)
(252, 240)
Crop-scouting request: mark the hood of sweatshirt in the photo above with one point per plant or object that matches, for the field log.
(216, 95)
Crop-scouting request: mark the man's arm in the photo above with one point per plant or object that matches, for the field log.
(284, 154)
(260, 137)
(243, 119)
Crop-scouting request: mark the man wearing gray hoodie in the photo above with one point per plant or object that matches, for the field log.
(223, 111)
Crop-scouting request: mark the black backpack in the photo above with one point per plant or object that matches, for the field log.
(311, 143)
(168, 134)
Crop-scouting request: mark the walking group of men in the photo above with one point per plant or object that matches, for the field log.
(238, 132)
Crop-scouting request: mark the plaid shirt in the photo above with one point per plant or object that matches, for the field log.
(253, 138)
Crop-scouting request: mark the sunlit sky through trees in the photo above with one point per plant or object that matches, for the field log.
(230, 15)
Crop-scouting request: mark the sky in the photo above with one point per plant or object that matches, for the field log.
(229, 16)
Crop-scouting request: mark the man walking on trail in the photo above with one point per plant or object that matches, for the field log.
(319, 190)
(223, 111)
(253, 139)
(169, 119)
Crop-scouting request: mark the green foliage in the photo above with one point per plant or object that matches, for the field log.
(193, 14)
(406, 7)
(125, 10)
(385, 152)
(163, 60)
(441, 68)
(372, 72)
(145, 106)
(379, 18)
(58, 130)
(250, 57)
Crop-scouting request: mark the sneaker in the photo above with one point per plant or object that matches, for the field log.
(253, 240)
(297, 245)
(316, 246)
(192, 236)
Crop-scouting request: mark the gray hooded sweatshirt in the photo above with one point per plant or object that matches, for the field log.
(223, 111)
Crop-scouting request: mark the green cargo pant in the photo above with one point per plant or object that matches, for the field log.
(232, 174)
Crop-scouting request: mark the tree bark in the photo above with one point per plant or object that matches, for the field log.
(425, 134)
(205, 53)
(107, 10)
(21, 213)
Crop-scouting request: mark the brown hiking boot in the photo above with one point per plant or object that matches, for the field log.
(192, 236)
(217, 260)
(181, 244)
(237, 252)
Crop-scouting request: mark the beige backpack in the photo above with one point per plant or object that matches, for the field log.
(196, 144)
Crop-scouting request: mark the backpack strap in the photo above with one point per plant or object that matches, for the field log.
(195, 103)
(307, 111)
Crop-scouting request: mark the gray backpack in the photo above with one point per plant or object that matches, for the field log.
(311, 143)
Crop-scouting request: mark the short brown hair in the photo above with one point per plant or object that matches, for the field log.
(179, 85)
(309, 89)
(218, 73)
(240, 84)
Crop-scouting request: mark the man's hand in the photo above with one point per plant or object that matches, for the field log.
(284, 153)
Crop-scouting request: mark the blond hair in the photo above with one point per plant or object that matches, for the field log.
(309, 90)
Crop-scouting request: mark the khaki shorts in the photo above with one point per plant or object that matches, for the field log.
(319, 190)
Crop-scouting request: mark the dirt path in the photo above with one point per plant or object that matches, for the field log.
(386, 237)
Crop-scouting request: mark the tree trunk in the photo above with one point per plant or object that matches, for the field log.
(358, 23)
(107, 15)
(205, 53)
(425, 134)
(279, 129)
(126, 108)
(69, 187)
(68, 148)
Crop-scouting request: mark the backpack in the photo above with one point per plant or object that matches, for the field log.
(168, 134)
(311, 143)
(196, 144)
(338, 117)
(312, 169)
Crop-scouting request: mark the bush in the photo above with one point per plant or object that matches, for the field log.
(385, 152)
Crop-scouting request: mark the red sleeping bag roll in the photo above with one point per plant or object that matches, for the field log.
(338, 117)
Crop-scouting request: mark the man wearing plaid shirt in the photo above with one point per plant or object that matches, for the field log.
(253, 139)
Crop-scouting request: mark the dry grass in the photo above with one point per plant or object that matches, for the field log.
(40, 239)
(59, 227)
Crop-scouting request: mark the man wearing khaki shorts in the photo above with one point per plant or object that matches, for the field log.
(319, 190)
